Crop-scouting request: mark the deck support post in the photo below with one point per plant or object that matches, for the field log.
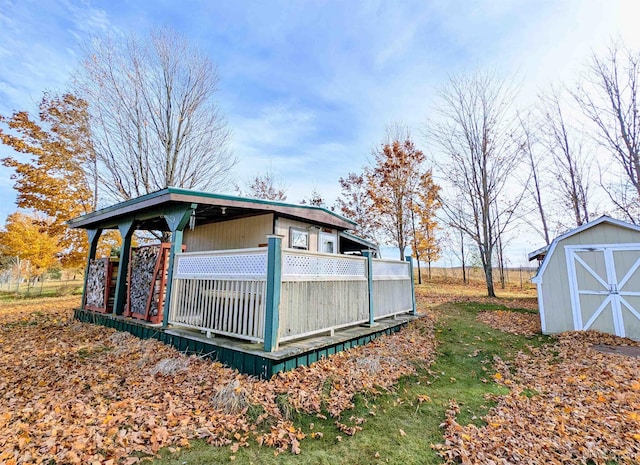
(126, 232)
(413, 285)
(274, 283)
(94, 237)
(177, 219)
(369, 255)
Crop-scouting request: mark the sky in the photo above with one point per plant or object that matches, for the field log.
(308, 86)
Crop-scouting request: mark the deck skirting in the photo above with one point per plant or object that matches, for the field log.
(247, 357)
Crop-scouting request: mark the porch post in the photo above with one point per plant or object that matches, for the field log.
(177, 219)
(126, 232)
(274, 282)
(94, 237)
(413, 286)
(369, 255)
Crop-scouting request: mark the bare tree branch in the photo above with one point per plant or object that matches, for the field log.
(154, 117)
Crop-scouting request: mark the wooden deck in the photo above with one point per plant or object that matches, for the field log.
(249, 357)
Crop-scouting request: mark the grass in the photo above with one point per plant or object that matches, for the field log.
(8, 293)
(400, 426)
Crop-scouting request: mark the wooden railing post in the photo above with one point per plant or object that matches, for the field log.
(369, 255)
(94, 237)
(413, 286)
(274, 283)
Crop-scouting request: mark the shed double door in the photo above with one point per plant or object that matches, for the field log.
(605, 287)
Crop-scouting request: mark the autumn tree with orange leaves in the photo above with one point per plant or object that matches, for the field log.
(26, 238)
(426, 243)
(54, 153)
(393, 184)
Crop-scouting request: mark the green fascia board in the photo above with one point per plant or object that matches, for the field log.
(206, 195)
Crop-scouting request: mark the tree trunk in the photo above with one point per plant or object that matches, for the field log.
(464, 270)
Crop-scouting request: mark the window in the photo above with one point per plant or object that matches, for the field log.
(327, 243)
(298, 238)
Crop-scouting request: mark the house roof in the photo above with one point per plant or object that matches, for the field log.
(573, 232)
(210, 207)
(359, 241)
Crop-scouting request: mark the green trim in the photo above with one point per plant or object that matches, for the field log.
(117, 206)
(274, 282)
(126, 232)
(248, 363)
(206, 195)
(369, 255)
(211, 195)
(413, 284)
(177, 219)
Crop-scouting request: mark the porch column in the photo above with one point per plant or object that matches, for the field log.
(274, 282)
(94, 237)
(413, 286)
(126, 229)
(177, 219)
(369, 255)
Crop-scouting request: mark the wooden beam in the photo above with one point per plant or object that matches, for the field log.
(177, 219)
(126, 228)
(369, 255)
(274, 283)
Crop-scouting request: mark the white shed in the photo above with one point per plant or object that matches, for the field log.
(590, 279)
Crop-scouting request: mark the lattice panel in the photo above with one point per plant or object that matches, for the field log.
(96, 283)
(390, 268)
(204, 266)
(302, 265)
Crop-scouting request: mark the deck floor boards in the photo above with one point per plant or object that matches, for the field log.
(298, 347)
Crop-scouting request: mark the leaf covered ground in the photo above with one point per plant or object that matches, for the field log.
(567, 403)
(525, 324)
(78, 393)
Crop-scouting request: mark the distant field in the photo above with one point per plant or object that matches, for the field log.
(519, 278)
(52, 288)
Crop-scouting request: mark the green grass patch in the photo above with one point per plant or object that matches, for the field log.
(400, 425)
(489, 307)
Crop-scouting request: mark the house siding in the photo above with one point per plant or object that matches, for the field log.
(282, 229)
(233, 234)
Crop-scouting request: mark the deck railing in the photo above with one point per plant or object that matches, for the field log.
(225, 292)
(392, 292)
(221, 292)
(320, 293)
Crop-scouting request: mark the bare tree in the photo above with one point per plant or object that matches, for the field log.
(571, 166)
(474, 132)
(534, 159)
(266, 186)
(609, 98)
(154, 117)
(356, 204)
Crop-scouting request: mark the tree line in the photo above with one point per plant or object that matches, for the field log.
(142, 115)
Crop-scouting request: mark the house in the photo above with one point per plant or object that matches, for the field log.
(590, 279)
(256, 283)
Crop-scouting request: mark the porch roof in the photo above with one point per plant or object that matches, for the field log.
(148, 210)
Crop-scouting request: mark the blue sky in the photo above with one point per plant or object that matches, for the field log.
(308, 86)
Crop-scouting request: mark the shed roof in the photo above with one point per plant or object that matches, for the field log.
(210, 207)
(573, 232)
